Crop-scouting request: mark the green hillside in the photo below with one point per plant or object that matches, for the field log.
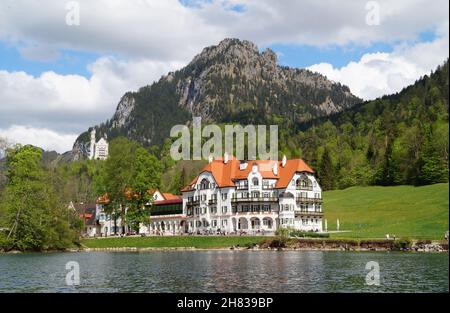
(373, 212)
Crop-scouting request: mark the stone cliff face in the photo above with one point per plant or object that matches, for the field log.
(229, 82)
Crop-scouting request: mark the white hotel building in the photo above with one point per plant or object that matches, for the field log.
(251, 197)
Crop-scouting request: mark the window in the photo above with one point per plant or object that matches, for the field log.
(255, 181)
(214, 223)
(224, 209)
(213, 210)
(224, 223)
(224, 196)
(204, 184)
(245, 208)
(303, 182)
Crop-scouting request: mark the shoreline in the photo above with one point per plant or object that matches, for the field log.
(276, 245)
(241, 249)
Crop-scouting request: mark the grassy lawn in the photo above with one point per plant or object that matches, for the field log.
(372, 212)
(367, 212)
(173, 241)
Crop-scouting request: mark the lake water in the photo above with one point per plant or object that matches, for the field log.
(225, 271)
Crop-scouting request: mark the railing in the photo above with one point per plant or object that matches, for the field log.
(212, 201)
(306, 199)
(239, 187)
(254, 199)
(309, 213)
(193, 202)
(309, 188)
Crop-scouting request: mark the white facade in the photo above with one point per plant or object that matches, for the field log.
(257, 198)
(254, 205)
(98, 150)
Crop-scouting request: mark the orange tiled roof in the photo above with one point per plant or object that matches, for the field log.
(104, 199)
(226, 174)
(169, 196)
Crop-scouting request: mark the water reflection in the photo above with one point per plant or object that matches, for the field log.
(225, 271)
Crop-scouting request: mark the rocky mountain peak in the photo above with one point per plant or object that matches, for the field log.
(229, 82)
(228, 48)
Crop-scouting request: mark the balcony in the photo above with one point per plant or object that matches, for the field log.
(212, 201)
(191, 203)
(308, 200)
(307, 213)
(241, 187)
(254, 199)
(308, 188)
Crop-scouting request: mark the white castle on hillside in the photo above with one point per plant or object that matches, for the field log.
(99, 149)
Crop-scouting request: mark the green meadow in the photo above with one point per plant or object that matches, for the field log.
(200, 242)
(373, 212)
(363, 212)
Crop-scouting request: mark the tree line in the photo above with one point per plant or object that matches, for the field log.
(35, 197)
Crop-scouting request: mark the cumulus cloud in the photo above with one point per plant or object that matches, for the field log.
(168, 30)
(40, 137)
(72, 102)
(149, 38)
(378, 74)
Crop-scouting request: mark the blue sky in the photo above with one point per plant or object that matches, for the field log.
(67, 62)
(289, 54)
(59, 79)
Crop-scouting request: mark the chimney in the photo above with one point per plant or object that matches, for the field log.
(275, 168)
(225, 158)
(254, 168)
(283, 161)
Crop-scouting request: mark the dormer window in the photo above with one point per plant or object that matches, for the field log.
(204, 184)
(255, 181)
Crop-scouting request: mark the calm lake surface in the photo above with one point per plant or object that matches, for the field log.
(225, 271)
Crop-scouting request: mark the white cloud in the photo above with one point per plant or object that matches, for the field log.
(72, 102)
(55, 104)
(168, 31)
(378, 74)
(40, 137)
(152, 37)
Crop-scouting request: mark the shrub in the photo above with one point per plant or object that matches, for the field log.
(303, 234)
(278, 243)
(402, 244)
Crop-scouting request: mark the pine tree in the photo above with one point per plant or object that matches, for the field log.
(326, 171)
(432, 169)
(388, 172)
